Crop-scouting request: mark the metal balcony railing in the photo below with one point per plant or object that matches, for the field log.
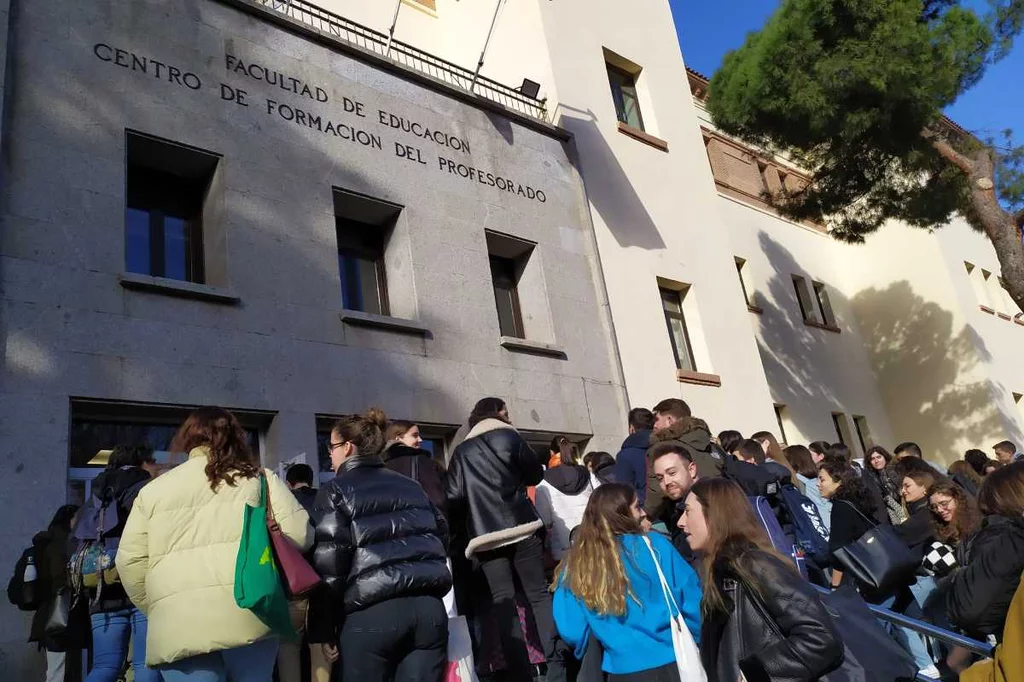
(338, 27)
(928, 630)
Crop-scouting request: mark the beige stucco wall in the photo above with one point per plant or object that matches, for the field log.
(918, 325)
(654, 212)
(814, 372)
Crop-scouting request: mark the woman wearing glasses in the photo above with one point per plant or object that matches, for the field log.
(381, 548)
(955, 520)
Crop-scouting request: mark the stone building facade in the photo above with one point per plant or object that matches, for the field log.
(204, 205)
(282, 208)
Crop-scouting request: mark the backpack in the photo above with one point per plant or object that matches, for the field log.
(92, 564)
(25, 595)
(782, 543)
(802, 519)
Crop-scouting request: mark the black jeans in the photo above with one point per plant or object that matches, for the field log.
(405, 640)
(523, 560)
(666, 673)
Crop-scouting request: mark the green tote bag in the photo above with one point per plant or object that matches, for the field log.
(257, 581)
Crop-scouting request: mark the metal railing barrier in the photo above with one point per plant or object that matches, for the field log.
(928, 630)
(336, 26)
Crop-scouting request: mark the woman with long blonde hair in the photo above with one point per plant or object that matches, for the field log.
(608, 584)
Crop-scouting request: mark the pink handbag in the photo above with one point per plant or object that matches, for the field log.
(297, 575)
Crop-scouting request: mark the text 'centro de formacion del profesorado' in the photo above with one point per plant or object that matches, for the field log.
(313, 107)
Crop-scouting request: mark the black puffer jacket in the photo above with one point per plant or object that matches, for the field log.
(793, 639)
(418, 465)
(378, 537)
(486, 486)
(980, 593)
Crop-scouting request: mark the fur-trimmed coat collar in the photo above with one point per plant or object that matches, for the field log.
(487, 425)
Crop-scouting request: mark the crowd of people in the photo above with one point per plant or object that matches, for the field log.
(683, 557)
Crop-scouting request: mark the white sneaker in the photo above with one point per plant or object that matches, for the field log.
(931, 672)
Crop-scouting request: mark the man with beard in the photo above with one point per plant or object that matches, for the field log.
(676, 472)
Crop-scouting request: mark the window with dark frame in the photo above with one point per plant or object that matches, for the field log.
(740, 263)
(863, 433)
(361, 267)
(505, 280)
(98, 426)
(824, 304)
(166, 186)
(435, 441)
(837, 422)
(672, 306)
(508, 257)
(779, 419)
(803, 297)
(362, 226)
(627, 104)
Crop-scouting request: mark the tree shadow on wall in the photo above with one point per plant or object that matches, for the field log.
(920, 363)
(791, 352)
(607, 185)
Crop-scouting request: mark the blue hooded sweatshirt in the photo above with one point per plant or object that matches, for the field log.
(631, 463)
(641, 639)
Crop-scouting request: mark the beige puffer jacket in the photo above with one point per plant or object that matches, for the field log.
(177, 559)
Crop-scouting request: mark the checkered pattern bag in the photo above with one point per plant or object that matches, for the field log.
(939, 560)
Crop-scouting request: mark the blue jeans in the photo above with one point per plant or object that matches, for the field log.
(110, 635)
(251, 663)
(912, 642)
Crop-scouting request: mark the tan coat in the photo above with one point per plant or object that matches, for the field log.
(177, 559)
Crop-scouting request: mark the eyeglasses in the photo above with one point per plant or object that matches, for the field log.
(943, 506)
(331, 447)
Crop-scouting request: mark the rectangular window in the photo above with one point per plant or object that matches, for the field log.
(362, 225)
(803, 297)
(672, 305)
(98, 426)
(780, 419)
(508, 257)
(740, 263)
(627, 104)
(842, 428)
(436, 438)
(863, 433)
(824, 305)
(361, 267)
(166, 187)
(504, 280)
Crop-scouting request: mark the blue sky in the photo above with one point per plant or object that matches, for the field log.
(707, 30)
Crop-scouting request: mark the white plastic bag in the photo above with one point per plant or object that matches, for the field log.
(460, 666)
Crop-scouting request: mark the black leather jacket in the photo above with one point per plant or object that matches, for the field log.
(785, 635)
(378, 537)
(486, 486)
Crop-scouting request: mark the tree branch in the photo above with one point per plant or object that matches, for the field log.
(1018, 219)
(945, 149)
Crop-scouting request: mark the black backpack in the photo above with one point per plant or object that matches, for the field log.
(25, 595)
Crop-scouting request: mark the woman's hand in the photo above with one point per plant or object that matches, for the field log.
(330, 652)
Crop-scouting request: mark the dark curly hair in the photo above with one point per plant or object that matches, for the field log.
(229, 453)
(966, 519)
(851, 488)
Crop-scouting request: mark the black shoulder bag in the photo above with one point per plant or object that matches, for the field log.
(878, 560)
